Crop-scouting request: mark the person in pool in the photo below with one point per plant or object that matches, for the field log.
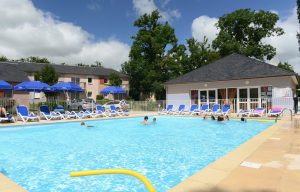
(222, 118)
(84, 124)
(154, 120)
(213, 117)
(145, 120)
(243, 119)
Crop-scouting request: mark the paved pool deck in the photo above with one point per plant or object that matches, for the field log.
(273, 157)
(269, 162)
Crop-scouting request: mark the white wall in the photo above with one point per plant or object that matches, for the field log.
(178, 99)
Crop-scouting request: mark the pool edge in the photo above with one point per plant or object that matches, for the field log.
(211, 175)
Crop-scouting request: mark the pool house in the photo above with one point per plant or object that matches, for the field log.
(242, 82)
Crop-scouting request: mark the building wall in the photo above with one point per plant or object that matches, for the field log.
(278, 82)
(180, 93)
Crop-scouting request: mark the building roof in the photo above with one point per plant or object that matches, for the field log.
(12, 73)
(65, 69)
(231, 67)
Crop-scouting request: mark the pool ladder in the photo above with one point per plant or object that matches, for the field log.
(141, 177)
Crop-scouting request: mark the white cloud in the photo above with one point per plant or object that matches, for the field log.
(27, 31)
(286, 45)
(204, 26)
(147, 6)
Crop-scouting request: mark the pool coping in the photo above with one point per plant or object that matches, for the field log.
(215, 171)
(211, 175)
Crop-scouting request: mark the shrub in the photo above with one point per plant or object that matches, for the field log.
(99, 97)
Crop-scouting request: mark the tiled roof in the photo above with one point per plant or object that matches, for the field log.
(231, 67)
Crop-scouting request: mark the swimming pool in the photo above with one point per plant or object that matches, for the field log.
(41, 157)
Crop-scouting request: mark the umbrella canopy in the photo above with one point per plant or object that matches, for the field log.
(112, 90)
(32, 86)
(5, 86)
(66, 87)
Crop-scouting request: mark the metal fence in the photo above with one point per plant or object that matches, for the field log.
(235, 104)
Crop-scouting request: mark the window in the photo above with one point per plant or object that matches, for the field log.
(89, 94)
(90, 80)
(75, 80)
(194, 96)
(243, 94)
(103, 81)
(253, 93)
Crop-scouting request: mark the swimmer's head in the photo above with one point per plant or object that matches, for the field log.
(146, 118)
(154, 119)
(82, 123)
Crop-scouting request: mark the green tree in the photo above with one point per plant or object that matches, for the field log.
(200, 54)
(153, 45)
(33, 59)
(114, 79)
(242, 32)
(286, 66)
(3, 58)
(47, 75)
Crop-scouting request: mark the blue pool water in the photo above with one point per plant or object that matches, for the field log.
(40, 158)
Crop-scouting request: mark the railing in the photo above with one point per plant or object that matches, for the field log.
(235, 104)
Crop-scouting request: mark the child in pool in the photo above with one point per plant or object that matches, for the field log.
(84, 124)
(145, 120)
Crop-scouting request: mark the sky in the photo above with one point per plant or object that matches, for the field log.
(85, 31)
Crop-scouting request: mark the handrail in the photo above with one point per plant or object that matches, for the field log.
(290, 111)
(141, 177)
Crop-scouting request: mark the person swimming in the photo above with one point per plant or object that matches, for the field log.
(145, 120)
(222, 118)
(213, 117)
(243, 119)
(205, 117)
(154, 120)
(84, 124)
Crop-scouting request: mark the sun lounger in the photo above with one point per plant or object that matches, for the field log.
(166, 111)
(24, 114)
(214, 109)
(72, 114)
(114, 111)
(204, 108)
(100, 111)
(275, 111)
(193, 109)
(49, 115)
(243, 112)
(225, 110)
(7, 118)
(180, 110)
(85, 114)
(258, 112)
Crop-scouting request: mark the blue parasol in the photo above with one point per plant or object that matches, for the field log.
(5, 86)
(113, 90)
(66, 87)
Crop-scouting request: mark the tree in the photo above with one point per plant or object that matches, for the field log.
(114, 79)
(200, 54)
(153, 45)
(243, 30)
(47, 75)
(33, 59)
(3, 58)
(286, 66)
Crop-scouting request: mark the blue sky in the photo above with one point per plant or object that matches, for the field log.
(113, 18)
(85, 31)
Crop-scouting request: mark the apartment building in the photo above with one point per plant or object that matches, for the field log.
(91, 79)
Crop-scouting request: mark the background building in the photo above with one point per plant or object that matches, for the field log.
(245, 82)
(91, 79)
